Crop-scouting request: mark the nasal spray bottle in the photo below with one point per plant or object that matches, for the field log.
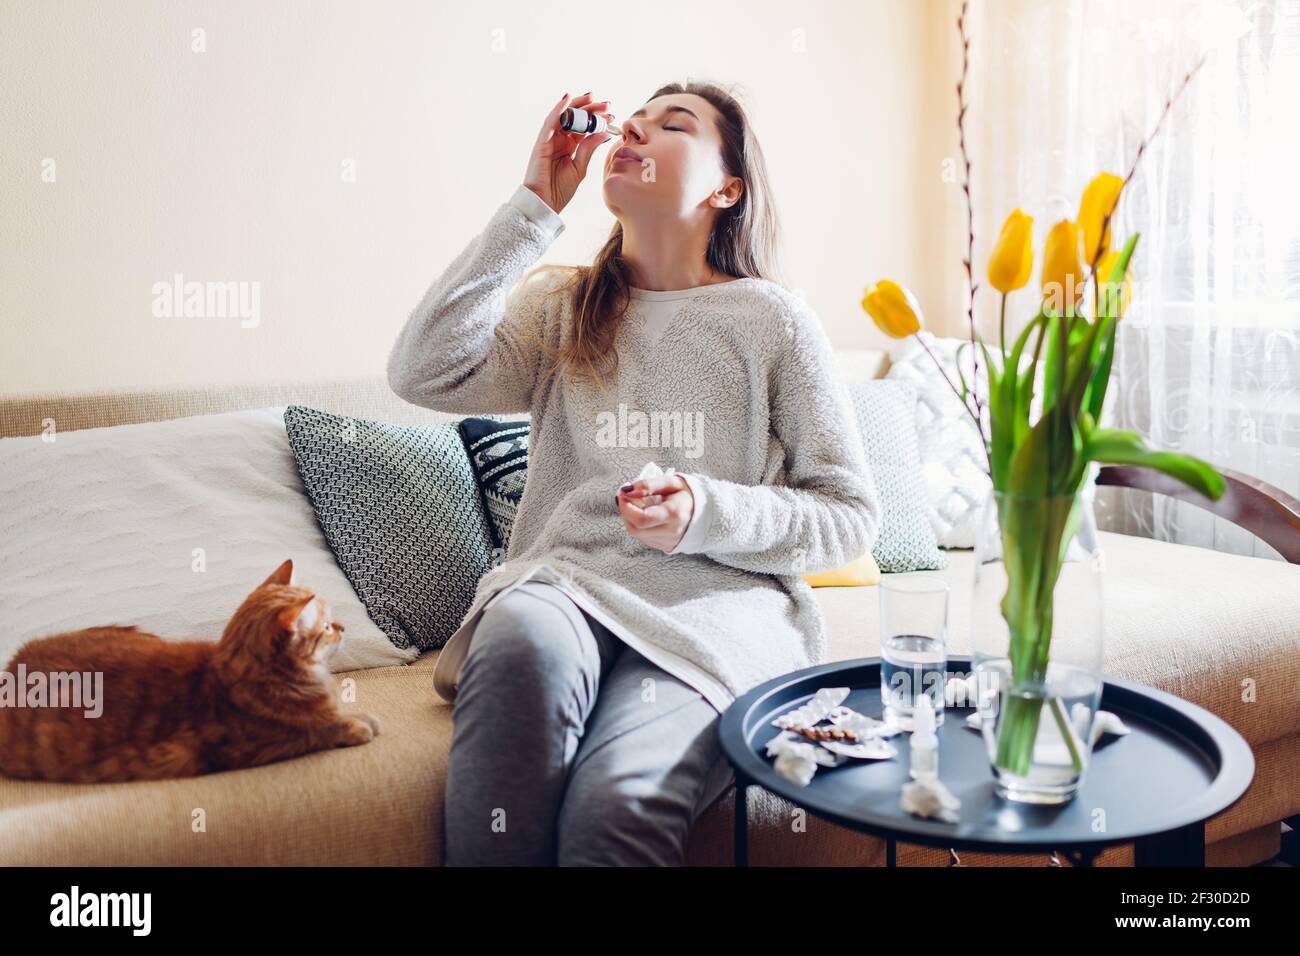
(924, 744)
(577, 120)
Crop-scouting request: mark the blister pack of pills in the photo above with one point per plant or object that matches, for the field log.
(850, 733)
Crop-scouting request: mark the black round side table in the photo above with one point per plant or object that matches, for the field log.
(1154, 787)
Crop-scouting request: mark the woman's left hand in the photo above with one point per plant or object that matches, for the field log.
(659, 524)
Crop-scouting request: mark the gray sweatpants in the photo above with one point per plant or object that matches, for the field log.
(571, 748)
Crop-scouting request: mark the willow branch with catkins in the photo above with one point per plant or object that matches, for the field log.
(971, 285)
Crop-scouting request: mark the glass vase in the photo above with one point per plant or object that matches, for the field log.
(1037, 629)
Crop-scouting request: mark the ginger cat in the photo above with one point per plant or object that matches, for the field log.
(176, 709)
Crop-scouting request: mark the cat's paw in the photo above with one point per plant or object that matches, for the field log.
(356, 729)
(372, 720)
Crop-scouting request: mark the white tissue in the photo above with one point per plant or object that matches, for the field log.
(966, 691)
(960, 688)
(797, 759)
(652, 470)
(928, 797)
(1104, 723)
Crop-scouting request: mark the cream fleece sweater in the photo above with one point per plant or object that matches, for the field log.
(739, 392)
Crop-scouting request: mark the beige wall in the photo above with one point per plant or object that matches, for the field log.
(227, 164)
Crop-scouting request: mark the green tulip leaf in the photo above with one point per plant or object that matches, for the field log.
(1100, 380)
(1113, 447)
(1121, 264)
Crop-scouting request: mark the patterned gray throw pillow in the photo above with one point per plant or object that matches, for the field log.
(400, 509)
(886, 417)
(498, 453)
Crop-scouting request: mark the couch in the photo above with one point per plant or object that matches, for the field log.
(1187, 620)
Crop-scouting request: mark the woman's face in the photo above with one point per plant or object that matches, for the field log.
(669, 162)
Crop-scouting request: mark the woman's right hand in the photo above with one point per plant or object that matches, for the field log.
(559, 160)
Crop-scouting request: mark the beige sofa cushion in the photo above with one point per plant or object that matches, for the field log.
(380, 803)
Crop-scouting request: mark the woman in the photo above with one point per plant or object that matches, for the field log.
(606, 645)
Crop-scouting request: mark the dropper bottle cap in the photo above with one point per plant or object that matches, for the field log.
(577, 120)
(924, 716)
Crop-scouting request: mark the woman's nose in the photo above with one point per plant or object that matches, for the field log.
(631, 132)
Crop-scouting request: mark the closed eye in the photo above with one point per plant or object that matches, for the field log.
(677, 128)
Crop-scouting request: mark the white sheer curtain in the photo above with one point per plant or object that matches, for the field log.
(1208, 358)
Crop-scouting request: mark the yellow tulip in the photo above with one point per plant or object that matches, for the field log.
(1108, 289)
(1099, 201)
(1063, 278)
(1013, 255)
(894, 309)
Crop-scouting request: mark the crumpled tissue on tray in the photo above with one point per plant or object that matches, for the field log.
(926, 796)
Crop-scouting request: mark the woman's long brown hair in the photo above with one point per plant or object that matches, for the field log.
(743, 244)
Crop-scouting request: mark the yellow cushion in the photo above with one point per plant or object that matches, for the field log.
(862, 571)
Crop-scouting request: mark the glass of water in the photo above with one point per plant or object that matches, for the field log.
(913, 645)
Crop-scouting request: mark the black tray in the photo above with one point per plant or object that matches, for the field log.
(1179, 766)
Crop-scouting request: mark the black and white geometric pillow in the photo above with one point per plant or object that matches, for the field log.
(400, 509)
(885, 411)
(498, 453)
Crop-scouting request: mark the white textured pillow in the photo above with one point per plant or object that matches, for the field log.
(104, 526)
(953, 462)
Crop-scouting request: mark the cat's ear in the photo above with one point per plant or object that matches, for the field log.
(281, 575)
(288, 617)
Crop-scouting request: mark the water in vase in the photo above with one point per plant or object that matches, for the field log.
(1066, 708)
